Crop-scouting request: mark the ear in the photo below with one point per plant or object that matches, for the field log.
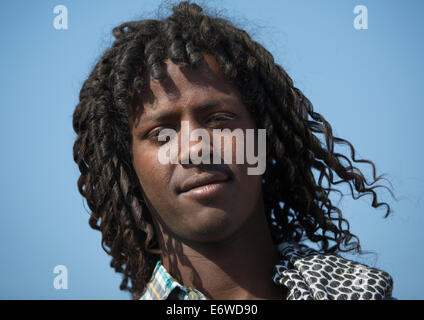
(153, 230)
(150, 235)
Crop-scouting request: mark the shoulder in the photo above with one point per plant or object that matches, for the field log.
(311, 275)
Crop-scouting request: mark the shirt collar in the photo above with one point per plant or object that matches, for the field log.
(162, 284)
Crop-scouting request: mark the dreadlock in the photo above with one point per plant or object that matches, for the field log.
(297, 204)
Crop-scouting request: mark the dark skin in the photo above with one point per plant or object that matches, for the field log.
(213, 235)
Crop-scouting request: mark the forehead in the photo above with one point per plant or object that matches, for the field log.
(182, 79)
(184, 85)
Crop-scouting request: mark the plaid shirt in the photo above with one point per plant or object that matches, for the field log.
(307, 274)
(162, 284)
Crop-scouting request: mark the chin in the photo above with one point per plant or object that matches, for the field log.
(211, 226)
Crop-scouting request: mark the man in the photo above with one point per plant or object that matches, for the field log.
(190, 229)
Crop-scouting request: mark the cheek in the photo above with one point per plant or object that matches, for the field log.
(250, 184)
(151, 173)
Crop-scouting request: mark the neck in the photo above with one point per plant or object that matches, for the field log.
(239, 267)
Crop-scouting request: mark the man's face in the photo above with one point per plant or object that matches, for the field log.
(196, 202)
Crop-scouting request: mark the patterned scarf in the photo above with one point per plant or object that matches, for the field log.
(311, 276)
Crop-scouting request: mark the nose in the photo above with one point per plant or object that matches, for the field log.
(195, 145)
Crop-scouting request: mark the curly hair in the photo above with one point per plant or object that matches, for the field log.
(297, 203)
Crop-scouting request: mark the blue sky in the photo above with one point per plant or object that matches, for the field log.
(367, 83)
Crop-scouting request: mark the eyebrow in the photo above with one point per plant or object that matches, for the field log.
(169, 115)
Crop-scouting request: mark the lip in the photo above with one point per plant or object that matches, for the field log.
(208, 191)
(204, 183)
(205, 186)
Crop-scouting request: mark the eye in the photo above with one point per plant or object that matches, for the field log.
(220, 117)
(154, 133)
(161, 134)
